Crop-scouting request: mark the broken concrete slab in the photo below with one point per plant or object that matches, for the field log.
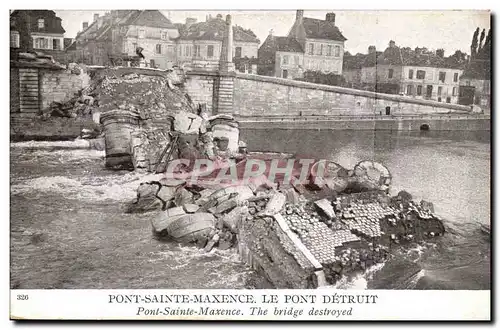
(274, 205)
(191, 208)
(171, 182)
(326, 208)
(186, 123)
(166, 193)
(291, 196)
(174, 211)
(183, 196)
(147, 189)
(232, 219)
(187, 224)
(161, 221)
(226, 205)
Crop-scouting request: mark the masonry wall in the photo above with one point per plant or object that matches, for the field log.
(265, 247)
(60, 85)
(14, 90)
(259, 95)
(200, 88)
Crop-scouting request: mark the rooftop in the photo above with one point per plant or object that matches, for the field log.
(322, 29)
(214, 29)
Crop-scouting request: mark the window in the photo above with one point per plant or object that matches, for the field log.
(210, 51)
(440, 90)
(187, 51)
(311, 49)
(391, 72)
(41, 43)
(238, 52)
(285, 74)
(164, 35)
(296, 60)
(454, 93)
(170, 50)
(142, 33)
(442, 76)
(410, 74)
(419, 90)
(448, 99)
(14, 39)
(409, 90)
(455, 77)
(41, 23)
(56, 44)
(337, 51)
(285, 59)
(197, 52)
(320, 49)
(420, 74)
(467, 83)
(158, 49)
(152, 63)
(134, 46)
(329, 51)
(439, 99)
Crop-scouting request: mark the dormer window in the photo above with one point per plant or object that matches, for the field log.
(142, 33)
(164, 35)
(41, 23)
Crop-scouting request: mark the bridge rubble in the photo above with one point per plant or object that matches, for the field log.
(295, 234)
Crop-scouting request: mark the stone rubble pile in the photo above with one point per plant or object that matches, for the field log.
(153, 96)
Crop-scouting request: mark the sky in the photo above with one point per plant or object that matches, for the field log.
(450, 30)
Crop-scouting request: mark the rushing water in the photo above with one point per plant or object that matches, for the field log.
(69, 228)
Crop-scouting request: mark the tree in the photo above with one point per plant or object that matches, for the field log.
(473, 46)
(486, 49)
(481, 41)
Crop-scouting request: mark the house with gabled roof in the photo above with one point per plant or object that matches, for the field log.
(39, 30)
(121, 32)
(311, 45)
(201, 42)
(418, 73)
(164, 44)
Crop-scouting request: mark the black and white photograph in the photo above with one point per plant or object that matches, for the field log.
(328, 150)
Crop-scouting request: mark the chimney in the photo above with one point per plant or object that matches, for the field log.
(85, 25)
(371, 49)
(392, 44)
(271, 33)
(330, 17)
(96, 17)
(219, 16)
(300, 15)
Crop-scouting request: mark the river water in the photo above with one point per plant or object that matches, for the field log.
(69, 228)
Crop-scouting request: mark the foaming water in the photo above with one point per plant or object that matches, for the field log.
(360, 281)
(75, 144)
(94, 189)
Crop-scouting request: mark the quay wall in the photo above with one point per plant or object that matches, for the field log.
(390, 123)
(253, 95)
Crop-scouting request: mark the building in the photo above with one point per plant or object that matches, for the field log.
(38, 30)
(311, 45)
(200, 43)
(120, 32)
(193, 44)
(418, 73)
